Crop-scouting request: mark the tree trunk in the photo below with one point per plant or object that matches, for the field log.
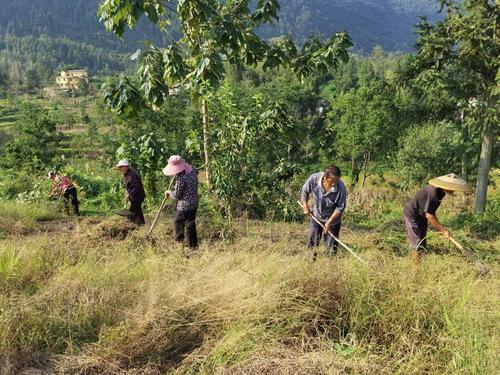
(465, 161)
(465, 166)
(206, 140)
(366, 161)
(484, 169)
(354, 173)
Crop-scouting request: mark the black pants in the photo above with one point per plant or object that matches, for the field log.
(70, 196)
(316, 232)
(137, 216)
(186, 221)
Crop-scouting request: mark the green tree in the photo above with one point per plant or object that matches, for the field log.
(83, 88)
(255, 144)
(35, 145)
(362, 123)
(423, 97)
(32, 79)
(148, 154)
(426, 151)
(468, 37)
(214, 34)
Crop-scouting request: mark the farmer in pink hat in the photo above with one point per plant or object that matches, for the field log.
(186, 194)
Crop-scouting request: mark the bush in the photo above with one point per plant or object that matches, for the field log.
(427, 151)
(35, 146)
(22, 186)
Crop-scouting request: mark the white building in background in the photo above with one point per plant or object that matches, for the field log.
(69, 80)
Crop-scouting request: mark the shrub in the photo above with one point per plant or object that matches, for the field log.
(35, 146)
(427, 151)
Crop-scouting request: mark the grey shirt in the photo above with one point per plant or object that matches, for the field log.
(325, 203)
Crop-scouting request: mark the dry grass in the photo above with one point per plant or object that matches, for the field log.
(97, 297)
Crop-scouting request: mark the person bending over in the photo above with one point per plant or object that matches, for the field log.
(420, 211)
(67, 189)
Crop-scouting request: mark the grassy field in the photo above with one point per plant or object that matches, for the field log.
(96, 296)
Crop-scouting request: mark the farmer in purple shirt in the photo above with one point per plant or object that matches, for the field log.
(329, 194)
(134, 192)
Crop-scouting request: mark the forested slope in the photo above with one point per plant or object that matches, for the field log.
(48, 35)
(370, 22)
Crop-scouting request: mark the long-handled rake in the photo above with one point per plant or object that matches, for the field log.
(334, 237)
(163, 202)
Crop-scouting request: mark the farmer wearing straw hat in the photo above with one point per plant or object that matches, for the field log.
(421, 210)
(330, 194)
(134, 192)
(186, 194)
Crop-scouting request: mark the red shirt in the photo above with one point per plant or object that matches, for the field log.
(62, 183)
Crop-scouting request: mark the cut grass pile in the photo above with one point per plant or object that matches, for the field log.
(80, 301)
(22, 218)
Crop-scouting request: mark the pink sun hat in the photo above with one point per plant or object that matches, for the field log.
(175, 165)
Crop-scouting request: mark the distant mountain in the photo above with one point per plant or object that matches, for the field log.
(73, 19)
(388, 23)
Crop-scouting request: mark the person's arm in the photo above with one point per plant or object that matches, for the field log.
(431, 206)
(178, 190)
(339, 210)
(433, 220)
(55, 188)
(304, 196)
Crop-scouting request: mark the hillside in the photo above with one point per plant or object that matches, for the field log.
(45, 36)
(370, 22)
(388, 23)
(72, 19)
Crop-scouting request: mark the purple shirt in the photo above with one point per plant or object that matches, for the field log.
(133, 186)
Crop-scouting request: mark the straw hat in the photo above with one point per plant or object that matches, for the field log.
(451, 182)
(175, 165)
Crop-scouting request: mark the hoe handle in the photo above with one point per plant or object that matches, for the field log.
(335, 238)
(163, 202)
(461, 247)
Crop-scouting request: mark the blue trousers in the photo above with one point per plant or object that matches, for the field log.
(316, 232)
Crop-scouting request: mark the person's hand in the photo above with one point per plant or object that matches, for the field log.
(307, 210)
(167, 194)
(447, 234)
(328, 225)
(127, 198)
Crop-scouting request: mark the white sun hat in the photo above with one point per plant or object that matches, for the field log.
(123, 163)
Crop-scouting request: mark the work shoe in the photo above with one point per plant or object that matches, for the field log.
(313, 255)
